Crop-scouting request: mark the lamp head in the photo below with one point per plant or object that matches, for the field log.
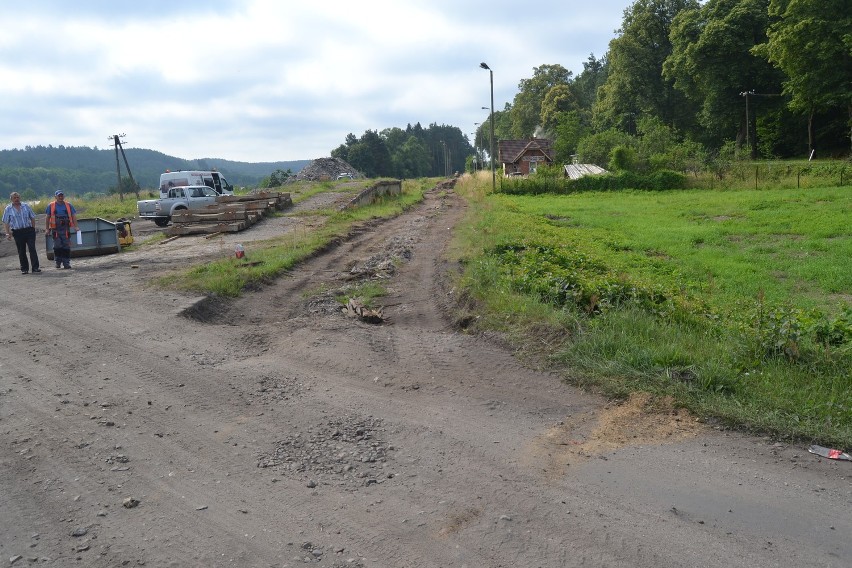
(484, 65)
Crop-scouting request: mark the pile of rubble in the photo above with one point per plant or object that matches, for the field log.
(324, 169)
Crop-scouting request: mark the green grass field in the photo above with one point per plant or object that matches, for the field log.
(792, 246)
(735, 302)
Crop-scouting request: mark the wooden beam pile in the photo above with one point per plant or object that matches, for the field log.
(230, 214)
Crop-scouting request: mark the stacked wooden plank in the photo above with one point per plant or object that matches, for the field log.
(230, 213)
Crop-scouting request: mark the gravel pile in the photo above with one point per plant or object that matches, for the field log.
(343, 451)
(324, 169)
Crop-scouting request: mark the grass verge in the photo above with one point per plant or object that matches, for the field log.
(735, 303)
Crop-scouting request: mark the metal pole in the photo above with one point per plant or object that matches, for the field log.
(129, 173)
(118, 168)
(493, 170)
(748, 122)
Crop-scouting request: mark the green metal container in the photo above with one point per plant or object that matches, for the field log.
(98, 236)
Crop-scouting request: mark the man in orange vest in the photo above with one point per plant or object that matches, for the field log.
(60, 221)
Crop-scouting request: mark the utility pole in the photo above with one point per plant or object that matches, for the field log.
(748, 124)
(747, 94)
(493, 170)
(116, 138)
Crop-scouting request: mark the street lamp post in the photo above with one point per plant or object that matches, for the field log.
(493, 171)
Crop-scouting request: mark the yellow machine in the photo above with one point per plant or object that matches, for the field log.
(125, 233)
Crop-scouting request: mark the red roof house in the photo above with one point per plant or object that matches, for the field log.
(522, 157)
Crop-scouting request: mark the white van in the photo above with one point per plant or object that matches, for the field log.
(180, 178)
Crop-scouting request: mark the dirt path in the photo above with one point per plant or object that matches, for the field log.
(275, 431)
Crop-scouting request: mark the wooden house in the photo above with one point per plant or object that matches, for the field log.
(522, 157)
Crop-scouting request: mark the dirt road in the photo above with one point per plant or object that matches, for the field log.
(139, 427)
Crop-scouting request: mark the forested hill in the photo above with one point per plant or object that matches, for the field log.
(39, 170)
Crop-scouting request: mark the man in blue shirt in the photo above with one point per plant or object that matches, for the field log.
(19, 222)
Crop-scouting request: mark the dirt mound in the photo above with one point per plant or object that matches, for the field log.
(325, 169)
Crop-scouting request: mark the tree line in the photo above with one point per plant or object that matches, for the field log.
(411, 153)
(684, 85)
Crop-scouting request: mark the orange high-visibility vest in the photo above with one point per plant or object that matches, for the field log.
(52, 215)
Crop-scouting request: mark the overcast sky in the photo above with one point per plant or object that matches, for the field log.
(271, 80)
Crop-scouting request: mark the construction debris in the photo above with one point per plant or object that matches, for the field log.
(230, 214)
(325, 169)
(829, 453)
(354, 308)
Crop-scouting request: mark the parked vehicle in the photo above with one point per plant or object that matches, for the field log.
(177, 199)
(345, 175)
(180, 178)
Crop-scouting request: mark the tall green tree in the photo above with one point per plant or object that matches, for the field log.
(635, 84)
(558, 100)
(571, 127)
(527, 105)
(585, 86)
(712, 65)
(369, 154)
(811, 42)
(411, 159)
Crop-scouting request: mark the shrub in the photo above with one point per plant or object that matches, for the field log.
(622, 158)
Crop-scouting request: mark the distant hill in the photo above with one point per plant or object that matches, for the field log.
(40, 170)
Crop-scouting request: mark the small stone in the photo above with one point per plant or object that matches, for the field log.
(201, 508)
(130, 503)
(312, 484)
(79, 531)
(15, 558)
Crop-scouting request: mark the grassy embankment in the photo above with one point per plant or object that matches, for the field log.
(736, 302)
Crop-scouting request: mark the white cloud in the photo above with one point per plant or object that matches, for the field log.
(265, 80)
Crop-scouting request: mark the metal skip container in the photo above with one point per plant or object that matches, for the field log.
(96, 237)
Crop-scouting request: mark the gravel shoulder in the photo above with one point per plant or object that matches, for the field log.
(142, 427)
